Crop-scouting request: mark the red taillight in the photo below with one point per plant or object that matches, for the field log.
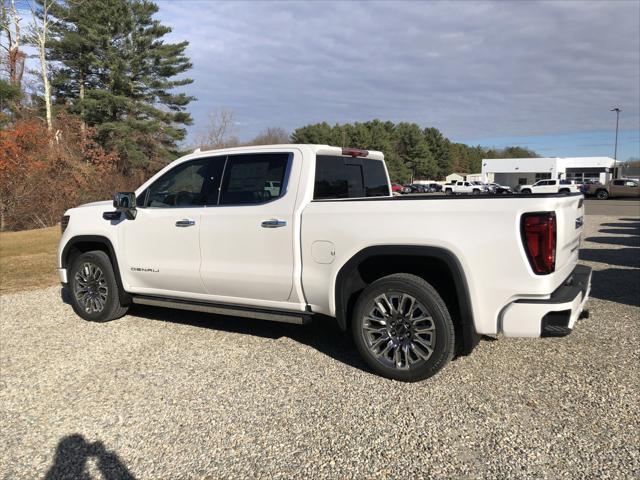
(539, 238)
(355, 152)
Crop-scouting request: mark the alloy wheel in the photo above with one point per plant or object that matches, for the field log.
(399, 330)
(90, 288)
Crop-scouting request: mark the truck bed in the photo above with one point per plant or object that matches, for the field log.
(482, 232)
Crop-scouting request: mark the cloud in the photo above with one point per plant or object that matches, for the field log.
(471, 69)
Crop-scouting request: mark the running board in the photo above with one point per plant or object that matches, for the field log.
(299, 318)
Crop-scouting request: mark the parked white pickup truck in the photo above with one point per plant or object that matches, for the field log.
(550, 186)
(291, 232)
(464, 187)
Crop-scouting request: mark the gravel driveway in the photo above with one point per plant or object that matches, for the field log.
(168, 394)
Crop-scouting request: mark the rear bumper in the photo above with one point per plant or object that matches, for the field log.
(551, 317)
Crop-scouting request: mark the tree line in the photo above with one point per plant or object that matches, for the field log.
(411, 152)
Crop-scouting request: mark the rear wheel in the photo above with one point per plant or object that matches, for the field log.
(402, 328)
(565, 191)
(94, 289)
(602, 195)
(476, 191)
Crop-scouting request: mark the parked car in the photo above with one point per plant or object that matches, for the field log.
(397, 188)
(417, 188)
(620, 187)
(550, 186)
(587, 185)
(497, 189)
(463, 187)
(433, 187)
(484, 188)
(404, 276)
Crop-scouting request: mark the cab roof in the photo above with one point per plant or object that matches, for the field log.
(315, 148)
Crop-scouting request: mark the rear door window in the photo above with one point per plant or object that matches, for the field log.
(253, 178)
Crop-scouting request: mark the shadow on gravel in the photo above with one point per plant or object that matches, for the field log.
(621, 231)
(71, 458)
(623, 241)
(623, 257)
(630, 226)
(619, 285)
(322, 333)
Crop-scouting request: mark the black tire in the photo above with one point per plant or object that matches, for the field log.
(602, 194)
(96, 299)
(526, 191)
(448, 191)
(476, 191)
(443, 342)
(565, 191)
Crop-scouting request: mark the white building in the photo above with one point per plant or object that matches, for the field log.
(525, 171)
(454, 177)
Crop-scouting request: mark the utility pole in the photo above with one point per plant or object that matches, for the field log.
(615, 151)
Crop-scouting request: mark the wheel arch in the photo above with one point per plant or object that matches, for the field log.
(444, 270)
(80, 244)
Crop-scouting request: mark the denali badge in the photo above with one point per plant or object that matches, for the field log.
(138, 269)
(579, 222)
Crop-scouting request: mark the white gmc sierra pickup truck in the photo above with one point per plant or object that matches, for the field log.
(549, 186)
(291, 232)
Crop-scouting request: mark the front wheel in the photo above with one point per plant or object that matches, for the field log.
(94, 289)
(402, 328)
(526, 191)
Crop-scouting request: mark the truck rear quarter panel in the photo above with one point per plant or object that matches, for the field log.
(482, 233)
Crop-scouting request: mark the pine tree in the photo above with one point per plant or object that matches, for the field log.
(439, 147)
(118, 74)
(414, 151)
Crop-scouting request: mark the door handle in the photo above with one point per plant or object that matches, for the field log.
(185, 223)
(273, 223)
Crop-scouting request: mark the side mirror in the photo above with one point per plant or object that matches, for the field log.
(126, 202)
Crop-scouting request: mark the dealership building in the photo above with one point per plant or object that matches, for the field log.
(525, 171)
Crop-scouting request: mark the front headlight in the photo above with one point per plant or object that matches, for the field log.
(64, 221)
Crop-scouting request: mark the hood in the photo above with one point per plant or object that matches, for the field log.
(101, 203)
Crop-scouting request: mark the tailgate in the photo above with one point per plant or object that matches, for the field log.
(570, 218)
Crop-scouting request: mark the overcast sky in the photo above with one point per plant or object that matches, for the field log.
(480, 72)
(537, 74)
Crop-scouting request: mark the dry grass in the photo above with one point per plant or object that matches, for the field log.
(28, 259)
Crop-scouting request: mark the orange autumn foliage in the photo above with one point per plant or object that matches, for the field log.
(43, 174)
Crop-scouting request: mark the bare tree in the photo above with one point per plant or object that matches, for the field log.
(271, 136)
(219, 132)
(10, 26)
(38, 35)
